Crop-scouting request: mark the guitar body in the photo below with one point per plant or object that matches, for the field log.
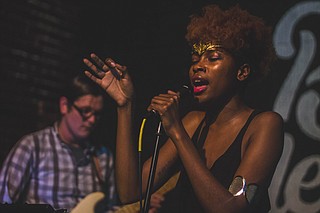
(90, 204)
(135, 207)
(93, 203)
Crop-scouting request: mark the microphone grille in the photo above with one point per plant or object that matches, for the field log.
(184, 90)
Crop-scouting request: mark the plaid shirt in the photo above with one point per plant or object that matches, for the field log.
(42, 169)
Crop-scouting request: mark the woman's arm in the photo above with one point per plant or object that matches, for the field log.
(259, 160)
(264, 140)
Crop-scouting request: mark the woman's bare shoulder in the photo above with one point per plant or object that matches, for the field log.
(267, 126)
(268, 117)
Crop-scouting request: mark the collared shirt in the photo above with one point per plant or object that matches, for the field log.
(41, 169)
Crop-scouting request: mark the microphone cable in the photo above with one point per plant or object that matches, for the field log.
(140, 160)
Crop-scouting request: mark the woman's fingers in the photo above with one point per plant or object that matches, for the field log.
(92, 77)
(101, 67)
(97, 71)
(97, 60)
(114, 68)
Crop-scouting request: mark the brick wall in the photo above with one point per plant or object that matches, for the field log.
(37, 48)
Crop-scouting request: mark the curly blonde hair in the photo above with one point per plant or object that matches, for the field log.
(244, 35)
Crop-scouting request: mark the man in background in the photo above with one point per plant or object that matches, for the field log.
(59, 165)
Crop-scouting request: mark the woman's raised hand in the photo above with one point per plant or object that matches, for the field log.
(112, 77)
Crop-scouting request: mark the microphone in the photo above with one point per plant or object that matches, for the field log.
(185, 96)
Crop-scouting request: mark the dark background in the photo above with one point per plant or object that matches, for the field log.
(43, 42)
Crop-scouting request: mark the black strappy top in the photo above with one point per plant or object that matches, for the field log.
(182, 198)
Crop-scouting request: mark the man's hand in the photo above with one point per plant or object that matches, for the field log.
(155, 202)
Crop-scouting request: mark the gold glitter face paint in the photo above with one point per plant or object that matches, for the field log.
(201, 47)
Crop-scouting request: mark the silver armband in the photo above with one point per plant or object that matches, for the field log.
(239, 187)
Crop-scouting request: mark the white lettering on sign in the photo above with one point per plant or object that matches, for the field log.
(303, 105)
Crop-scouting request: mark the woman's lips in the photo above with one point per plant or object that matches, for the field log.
(199, 89)
(200, 84)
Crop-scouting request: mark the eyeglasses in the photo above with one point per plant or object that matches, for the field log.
(87, 112)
